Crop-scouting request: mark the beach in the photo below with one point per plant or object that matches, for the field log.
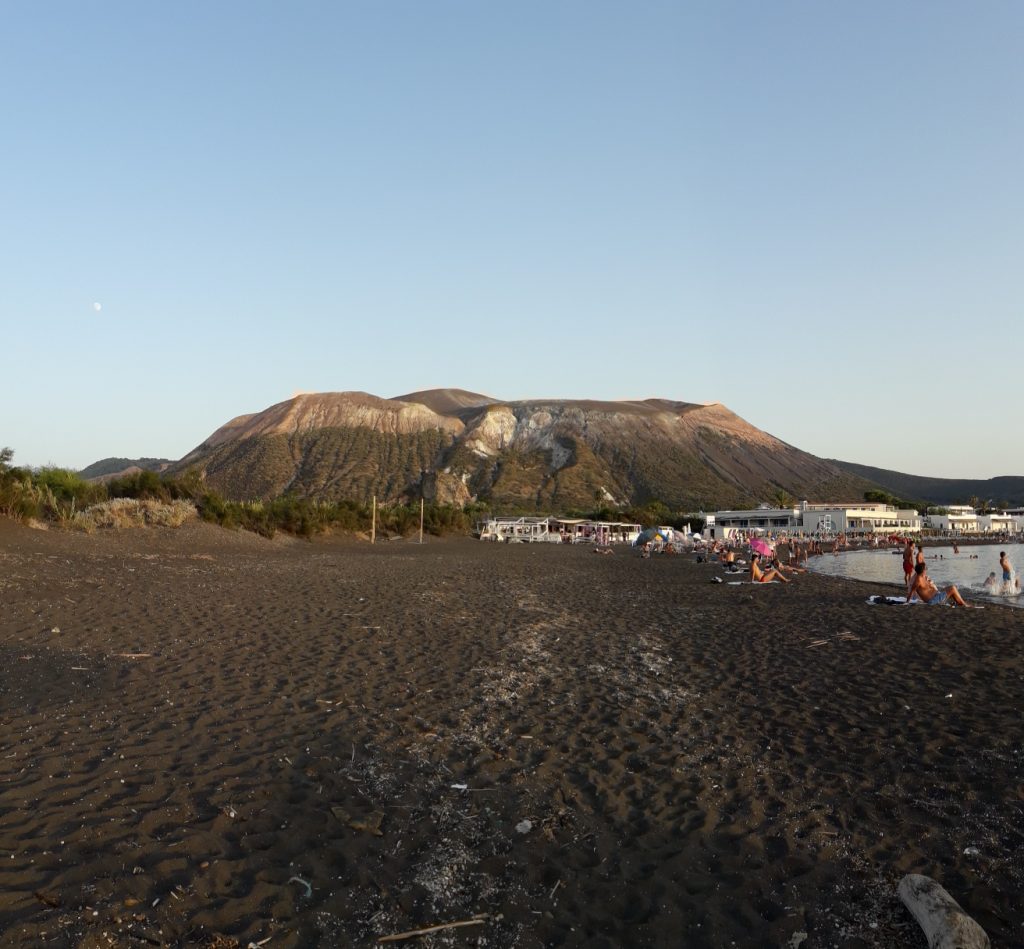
(210, 738)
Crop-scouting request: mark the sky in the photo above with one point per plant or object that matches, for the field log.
(810, 212)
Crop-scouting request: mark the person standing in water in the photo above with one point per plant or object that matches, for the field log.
(908, 563)
(1011, 583)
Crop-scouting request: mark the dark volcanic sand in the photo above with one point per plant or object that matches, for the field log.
(197, 724)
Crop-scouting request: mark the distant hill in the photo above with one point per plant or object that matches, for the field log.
(555, 454)
(113, 467)
(1006, 491)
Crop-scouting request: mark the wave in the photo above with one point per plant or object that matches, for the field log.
(1000, 588)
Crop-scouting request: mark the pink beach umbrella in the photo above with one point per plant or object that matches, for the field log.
(762, 547)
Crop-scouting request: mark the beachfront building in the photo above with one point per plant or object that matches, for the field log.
(526, 530)
(581, 531)
(961, 520)
(996, 523)
(726, 525)
(864, 517)
(557, 530)
(957, 519)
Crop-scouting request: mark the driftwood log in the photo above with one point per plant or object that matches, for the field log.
(945, 924)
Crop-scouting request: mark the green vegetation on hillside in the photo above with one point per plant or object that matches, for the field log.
(884, 497)
(109, 466)
(330, 464)
(61, 496)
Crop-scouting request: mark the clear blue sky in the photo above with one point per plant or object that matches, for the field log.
(812, 212)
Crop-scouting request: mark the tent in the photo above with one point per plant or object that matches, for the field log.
(662, 535)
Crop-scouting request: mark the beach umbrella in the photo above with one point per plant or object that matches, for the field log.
(761, 547)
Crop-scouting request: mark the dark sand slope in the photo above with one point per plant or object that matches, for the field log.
(234, 738)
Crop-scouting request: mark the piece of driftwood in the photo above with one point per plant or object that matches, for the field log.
(945, 924)
(414, 933)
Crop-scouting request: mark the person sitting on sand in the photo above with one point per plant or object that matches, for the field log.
(757, 575)
(927, 592)
(790, 567)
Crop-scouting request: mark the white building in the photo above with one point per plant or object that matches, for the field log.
(962, 519)
(865, 517)
(557, 530)
(580, 531)
(958, 519)
(995, 523)
(518, 530)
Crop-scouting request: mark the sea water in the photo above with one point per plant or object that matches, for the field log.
(944, 567)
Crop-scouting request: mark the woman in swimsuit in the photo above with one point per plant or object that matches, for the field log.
(908, 563)
(757, 575)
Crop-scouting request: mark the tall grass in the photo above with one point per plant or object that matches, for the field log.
(131, 512)
(62, 497)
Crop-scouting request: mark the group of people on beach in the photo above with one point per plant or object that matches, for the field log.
(921, 587)
(765, 566)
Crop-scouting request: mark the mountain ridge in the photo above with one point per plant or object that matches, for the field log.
(455, 446)
(108, 468)
(1002, 491)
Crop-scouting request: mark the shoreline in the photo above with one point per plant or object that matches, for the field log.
(970, 593)
(216, 735)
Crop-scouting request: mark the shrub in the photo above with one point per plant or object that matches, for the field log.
(141, 485)
(67, 487)
(19, 496)
(131, 512)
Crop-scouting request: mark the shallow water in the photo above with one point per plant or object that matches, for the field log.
(944, 567)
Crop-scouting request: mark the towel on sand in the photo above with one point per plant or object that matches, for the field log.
(880, 600)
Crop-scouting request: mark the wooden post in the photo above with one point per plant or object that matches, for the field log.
(421, 520)
(373, 523)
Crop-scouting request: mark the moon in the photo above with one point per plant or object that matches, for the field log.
(97, 307)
